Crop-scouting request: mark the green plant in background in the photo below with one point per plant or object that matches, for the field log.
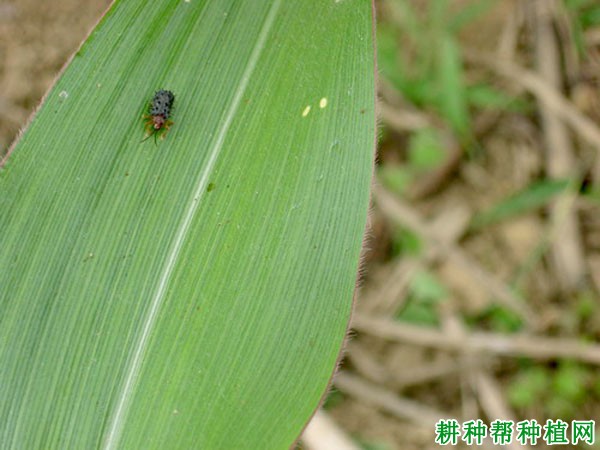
(425, 152)
(419, 53)
(425, 293)
(498, 318)
(196, 293)
(373, 445)
(529, 386)
(530, 199)
(585, 14)
(405, 242)
(395, 177)
(561, 391)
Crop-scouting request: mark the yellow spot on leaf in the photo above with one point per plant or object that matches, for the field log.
(306, 111)
(323, 103)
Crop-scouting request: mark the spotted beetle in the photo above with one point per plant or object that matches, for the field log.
(157, 119)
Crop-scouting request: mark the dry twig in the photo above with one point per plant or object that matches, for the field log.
(402, 117)
(492, 402)
(552, 99)
(510, 345)
(388, 401)
(567, 250)
(401, 213)
(322, 433)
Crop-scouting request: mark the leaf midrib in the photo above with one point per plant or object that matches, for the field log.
(134, 363)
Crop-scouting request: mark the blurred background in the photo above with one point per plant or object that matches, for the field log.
(480, 281)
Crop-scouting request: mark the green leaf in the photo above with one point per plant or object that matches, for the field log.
(193, 293)
(426, 288)
(388, 54)
(529, 387)
(532, 198)
(419, 313)
(425, 149)
(500, 319)
(591, 18)
(395, 177)
(425, 292)
(453, 103)
(469, 13)
(406, 242)
(406, 17)
(486, 96)
(570, 382)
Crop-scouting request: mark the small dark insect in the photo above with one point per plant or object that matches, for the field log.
(157, 121)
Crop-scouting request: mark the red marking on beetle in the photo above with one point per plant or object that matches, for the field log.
(157, 121)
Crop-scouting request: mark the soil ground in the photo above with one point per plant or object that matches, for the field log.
(36, 39)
